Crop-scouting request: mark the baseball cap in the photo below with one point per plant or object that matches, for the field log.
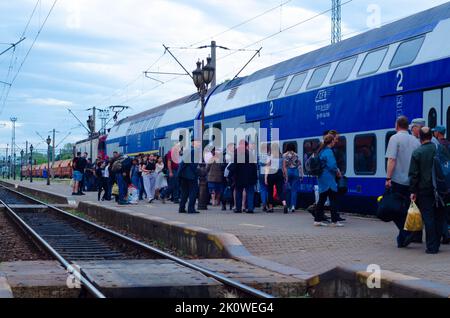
(439, 129)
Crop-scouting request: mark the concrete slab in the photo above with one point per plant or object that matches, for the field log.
(268, 281)
(5, 289)
(149, 279)
(38, 279)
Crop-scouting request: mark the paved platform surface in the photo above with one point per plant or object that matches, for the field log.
(293, 240)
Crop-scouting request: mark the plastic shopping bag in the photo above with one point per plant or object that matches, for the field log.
(133, 195)
(115, 189)
(414, 221)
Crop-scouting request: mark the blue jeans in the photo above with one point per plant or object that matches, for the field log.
(263, 192)
(250, 191)
(293, 180)
(123, 189)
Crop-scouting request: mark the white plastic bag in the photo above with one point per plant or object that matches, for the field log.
(133, 195)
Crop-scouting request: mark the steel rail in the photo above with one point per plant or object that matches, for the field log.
(65, 263)
(219, 277)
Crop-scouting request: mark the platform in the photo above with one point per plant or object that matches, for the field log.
(291, 240)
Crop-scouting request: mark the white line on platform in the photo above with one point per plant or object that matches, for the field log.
(252, 225)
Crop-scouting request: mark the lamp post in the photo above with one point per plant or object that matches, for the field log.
(49, 140)
(9, 167)
(203, 75)
(14, 166)
(21, 165)
(31, 163)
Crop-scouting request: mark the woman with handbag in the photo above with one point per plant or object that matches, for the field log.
(328, 188)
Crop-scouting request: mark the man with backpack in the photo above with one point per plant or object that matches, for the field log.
(120, 167)
(399, 152)
(422, 174)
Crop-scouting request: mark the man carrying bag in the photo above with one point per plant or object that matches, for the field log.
(399, 152)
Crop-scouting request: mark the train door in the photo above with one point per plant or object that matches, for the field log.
(446, 108)
(432, 108)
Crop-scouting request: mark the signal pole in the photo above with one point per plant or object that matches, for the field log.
(13, 146)
(336, 35)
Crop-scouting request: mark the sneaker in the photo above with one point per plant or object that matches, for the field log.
(293, 209)
(74, 193)
(150, 201)
(224, 208)
(320, 224)
(264, 209)
(337, 224)
(182, 211)
(285, 209)
(81, 193)
(341, 219)
(237, 211)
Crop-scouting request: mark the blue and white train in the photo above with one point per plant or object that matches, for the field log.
(357, 87)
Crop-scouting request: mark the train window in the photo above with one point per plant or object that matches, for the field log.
(277, 88)
(407, 52)
(372, 62)
(296, 83)
(365, 154)
(287, 143)
(150, 124)
(157, 121)
(432, 118)
(309, 147)
(318, 76)
(343, 70)
(340, 153)
(389, 134)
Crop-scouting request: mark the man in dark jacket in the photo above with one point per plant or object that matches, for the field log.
(188, 180)
(245, 173)
(421, 187)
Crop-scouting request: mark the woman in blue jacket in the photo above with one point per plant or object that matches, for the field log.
(327, 183)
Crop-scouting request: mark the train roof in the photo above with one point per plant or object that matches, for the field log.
(405, 28)
(409, 27)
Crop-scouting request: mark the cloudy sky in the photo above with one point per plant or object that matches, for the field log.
(94, 52)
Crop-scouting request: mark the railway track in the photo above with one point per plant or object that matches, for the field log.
(69, 239)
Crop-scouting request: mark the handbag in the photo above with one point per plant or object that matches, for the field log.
(227, 194)
(392, 205)
(342, 185)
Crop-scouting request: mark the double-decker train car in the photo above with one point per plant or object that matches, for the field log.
(98, 143)
(357, 87)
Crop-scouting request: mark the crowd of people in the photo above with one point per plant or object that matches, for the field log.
(411, 154)
(235, 174)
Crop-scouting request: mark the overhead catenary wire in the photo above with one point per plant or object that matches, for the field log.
(201, 41)
(27, 54)
(243, 23)
(285, 29)
(245, 48)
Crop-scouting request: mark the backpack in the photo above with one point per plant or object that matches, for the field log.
(116, 166)
(441, 173)
(314, 165)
